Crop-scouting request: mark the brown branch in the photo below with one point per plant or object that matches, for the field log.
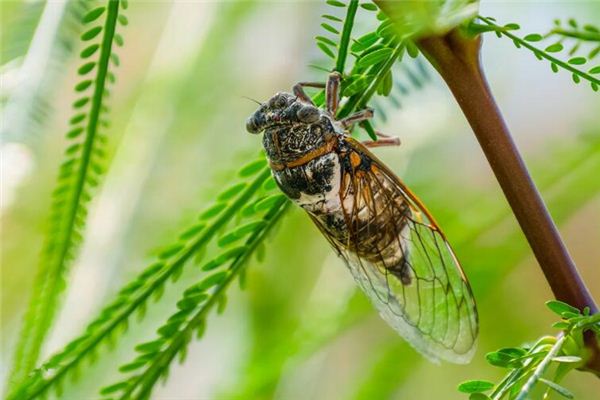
(456, 57)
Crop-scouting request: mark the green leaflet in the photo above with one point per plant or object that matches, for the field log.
(135, 295)
(198, 300)
(550, 52)
(70, 199)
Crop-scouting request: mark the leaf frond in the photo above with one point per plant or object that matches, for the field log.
(576, 39)
(527, 365)
(149, 284)
(573, 64)
(79, 173)
(156, 356)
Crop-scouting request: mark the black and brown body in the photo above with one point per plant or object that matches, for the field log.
(315, 165)
(390, 242)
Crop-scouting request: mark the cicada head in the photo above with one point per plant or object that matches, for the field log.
(283, 109)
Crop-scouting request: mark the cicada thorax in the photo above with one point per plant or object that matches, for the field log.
(304, 163)
(290, 142)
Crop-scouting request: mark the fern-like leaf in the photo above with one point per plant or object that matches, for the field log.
(78, 175)
(573, 64)
(150, 283)
(576, 38)
(156, 356)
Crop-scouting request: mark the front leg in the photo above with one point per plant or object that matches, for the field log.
(359, 116)
(299, 92)
(332, 93)
(365, 115)
(384, 141)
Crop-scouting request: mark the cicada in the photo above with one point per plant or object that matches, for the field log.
(392, 246)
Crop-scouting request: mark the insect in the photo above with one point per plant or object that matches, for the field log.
(391, 244)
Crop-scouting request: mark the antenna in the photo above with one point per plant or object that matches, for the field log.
(251, 99)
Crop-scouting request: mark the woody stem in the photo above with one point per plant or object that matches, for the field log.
(456, 57)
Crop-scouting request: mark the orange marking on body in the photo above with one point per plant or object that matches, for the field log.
(328, 147)
(355, 159)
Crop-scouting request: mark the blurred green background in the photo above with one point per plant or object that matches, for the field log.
(299, 330)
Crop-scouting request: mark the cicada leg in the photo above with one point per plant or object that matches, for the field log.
(299, 92)
(332, 99)
(359, 116)
(383, 141)
(365, 115)
(332, 92)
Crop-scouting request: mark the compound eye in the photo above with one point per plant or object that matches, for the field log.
(281, 102)
(308, 114)
(252, 126)
(278, 101)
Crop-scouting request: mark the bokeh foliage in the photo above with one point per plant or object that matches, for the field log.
(285, 319)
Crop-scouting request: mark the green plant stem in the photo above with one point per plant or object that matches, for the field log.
(456, 58)
(366, 96)
(361, 100)
(42, 305)
(147, 379)
(581, 35)
(541, 368)
(345, 38)
(541, 53)
(92, 125)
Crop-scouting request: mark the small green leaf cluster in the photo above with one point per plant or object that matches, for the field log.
(334, 39)
(371, 51)
(529, 364)
(579, 66)
(576, 37)
(423, 18)
(78, 175)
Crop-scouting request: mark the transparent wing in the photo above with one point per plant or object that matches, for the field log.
(400, 258)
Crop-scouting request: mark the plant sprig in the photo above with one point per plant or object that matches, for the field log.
(577, 35)
(572, 65)
(79, 174)
(149, 284)
(528, 365)
(197, 301)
